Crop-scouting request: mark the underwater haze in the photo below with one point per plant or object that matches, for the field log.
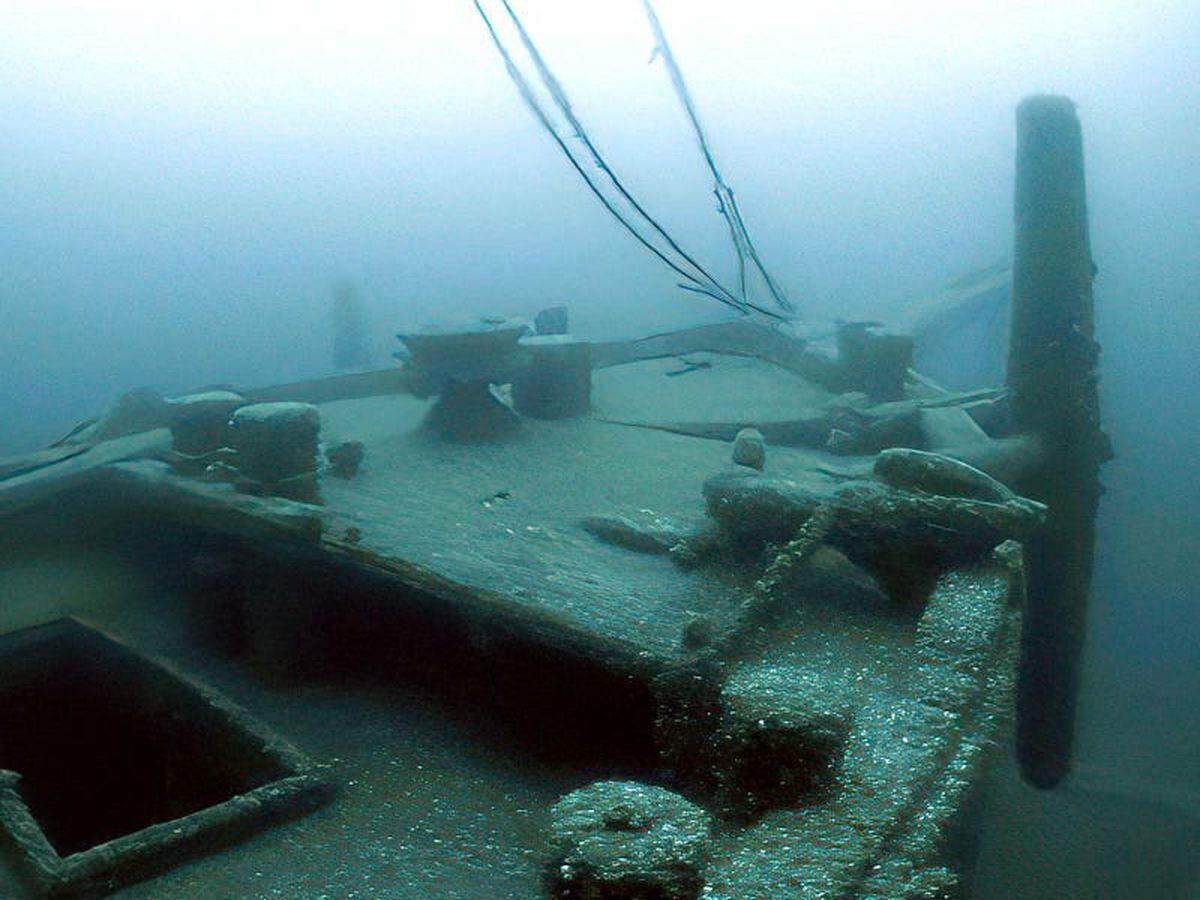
(182, 186)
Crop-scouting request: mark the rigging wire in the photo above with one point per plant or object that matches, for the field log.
(726, 202)
(700, 280)
(558, 95)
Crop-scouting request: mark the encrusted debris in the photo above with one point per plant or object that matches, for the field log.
(644, 531)
(780, 740)
(902, 537)
(624, 839)
(345, 458)
(750, 448)
(932, 473)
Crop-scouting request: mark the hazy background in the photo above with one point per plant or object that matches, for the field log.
(180, 185)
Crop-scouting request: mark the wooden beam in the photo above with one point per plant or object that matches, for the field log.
(1052, 378)
(739, 337)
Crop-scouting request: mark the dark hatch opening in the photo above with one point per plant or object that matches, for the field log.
(107, 744)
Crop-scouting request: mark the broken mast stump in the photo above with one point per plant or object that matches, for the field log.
(1053, 382)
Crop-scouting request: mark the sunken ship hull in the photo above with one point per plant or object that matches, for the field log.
(708, 613)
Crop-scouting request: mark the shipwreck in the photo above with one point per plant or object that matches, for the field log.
(720, 612)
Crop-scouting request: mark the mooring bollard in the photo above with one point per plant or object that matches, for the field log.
(1052, 379)
(557, 384)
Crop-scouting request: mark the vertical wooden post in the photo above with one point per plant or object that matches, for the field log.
(350, 350)
(1052, 377)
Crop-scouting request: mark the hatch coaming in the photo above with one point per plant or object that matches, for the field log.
(114, 767)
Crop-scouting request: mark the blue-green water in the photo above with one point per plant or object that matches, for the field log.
(180, 190)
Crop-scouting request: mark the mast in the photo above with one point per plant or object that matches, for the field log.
(1052, 376)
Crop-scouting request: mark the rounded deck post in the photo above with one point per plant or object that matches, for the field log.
(1052, 376)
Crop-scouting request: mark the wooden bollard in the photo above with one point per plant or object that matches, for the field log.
(557, 384)
(1052, 367)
